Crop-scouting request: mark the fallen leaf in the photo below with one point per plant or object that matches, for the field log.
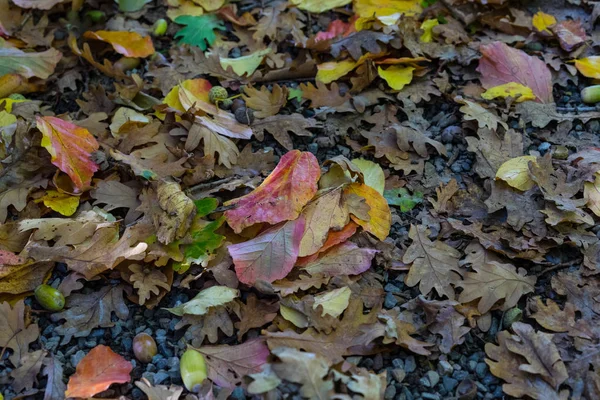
(372, 173)
(16, 333)
(25, 375)
(484, 117)
(307, 369)
(399, 331)
(570, 33)
(100, 368)
(39, 65)
(281, 196)
(199, 30)
(212, 297)
(70, 147)
(332, 70)
(159, 392)
(591, 192)
(55, 387)
(333, 302)
(344, 259)
(319, 6)
(502, 64)
(254, 314)
(62, 203)
(380, 220)
(551, 317)
(512, 89)
(396, 76)
(515, 172)
(270, 255)
(129, 44)
(387, 11)
(245, 65)
(589, 66)
(279, 126)
(542, 21)
(265, 102)
(37, 4)
(147, 280)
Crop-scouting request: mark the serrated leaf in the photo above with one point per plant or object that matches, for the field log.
(199, 30)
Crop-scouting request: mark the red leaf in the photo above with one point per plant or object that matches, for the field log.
(9, 258)
(100, 368)
(502, 64)
(281, 196)
(70, 147)
(269, 256)
(336, 28)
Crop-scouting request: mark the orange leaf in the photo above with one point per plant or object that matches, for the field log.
(70, 147)
(281, 196)
(100, 368)
(381, 218)
(130, 44)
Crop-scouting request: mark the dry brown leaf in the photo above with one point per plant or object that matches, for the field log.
(280, 125)
(265, 103)
(322, 96)
(551, 317)
(254, 314)
(16, 332)
(147, 280)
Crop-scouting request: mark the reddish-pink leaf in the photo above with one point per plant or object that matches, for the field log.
(571, 34)
(281, 196)
(502, 64)
(9, 258)
(336, 28)
(344, 259)
(269, 256)
(70, 147)
(100, 368)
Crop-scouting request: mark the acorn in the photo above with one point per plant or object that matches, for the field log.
(160, 27)
(237, 103)
(225, 104)
(511, 316)
(49, 298)
(217, 93)
(591, 94)
(144, 347)
(244, 115)
(193, 368)
(560, 153)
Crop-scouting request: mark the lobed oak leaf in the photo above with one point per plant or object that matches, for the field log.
(304, 282)
(225, 148)
(551, 317)
(254, 314)
(70, 147)
(227, 365)
(15, 331)
(99, 369)
(265, 103)
(207, 326)
(88, 311)
(280, 125)
(493, 280)
(484, 117)
(356, 42)
(398, 330)
(322, 96)
(281, 196)
(434, 264)
(269, 256)
(55, 387)
(159, 392)
(129, 44)
(147, 280)
(25, 375)
(115, 194)
(502, 64)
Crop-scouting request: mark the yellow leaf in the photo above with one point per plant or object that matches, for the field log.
(372, 173)
(589, 67)
(591, 193)
(125, 116)
(541, 22)
(183, 7)
(396, 76)
(515, 172)
(61, 202)
(319, 6)
(210, 5)
(387, 11)
(332, 71)
(427, 27)
(8, 103)
(511, 89)
(380, 217)
(245, 64)
(6, 119)
(333, 302)
(195, 89)
(130, 44)
(295, 317)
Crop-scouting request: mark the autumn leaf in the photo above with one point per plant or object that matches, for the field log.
(502, 64)
(212, 297)
(70, 147)
(319, 6)
(399, 331)
(511, 89)
(344, 259)
(542, 21)
(270, 255)
(555, 319)
(380, 220)
(280, 125)
(387, 11)
(147, 280)
(265, 103)
(245, 65)
(570, 33)
(25, 375)
(515, 172)
(100, 368)
(16, 333)
(434, 264)
(484, 117)
(129, 44)
(396, 76)
(40, 65)
(281, 196)
(332, 71)
(62, 203)
(589, 66)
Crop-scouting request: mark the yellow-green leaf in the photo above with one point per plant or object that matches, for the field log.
(245, 65)
(372, 173)
(511, 89)
(61, 202)
(332, 71)
(427, 27)
(396, 76)
(333, 302)
(515, 172)
(387, 11)
(542, 21)
(295, 317)
(319, 6)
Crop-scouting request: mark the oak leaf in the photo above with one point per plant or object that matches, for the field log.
(269, 256)
(23, 277)
(280, 127)
(147, 280)
(322, 96)
(25, 375)
(484, 117)
(570, 33)
(225, 148)
(99, 369)
(159, 392)
(206, 326)
(115, 194)
(434, 264)
(356, 42)
(398, 330)
(55, 387)
(492, 280)
(70, 147)
(15, 331)
(265, 103)
(551, 317)
(281, 196)
(503, 64)
(254, 314)
(88, 311)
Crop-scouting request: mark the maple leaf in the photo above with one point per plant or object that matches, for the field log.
(280, 125)
(25, 375)
(493, 280)
(88, 311)
(308, 369)
(147, 280)
(353, 336)
(129, 44)
(434, 264)
(70, 147)
(227, 365)
(199, 30)
(344, 259)
(15, 331)
(281, 196)
(265, 103)
(100, 368)
(503, 64)
(270, 255)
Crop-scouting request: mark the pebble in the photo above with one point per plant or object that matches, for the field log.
(481, 370)
(174, 363)
(151, 368)
(137, 394)
(424, 382)
(398, 374)
(407, 394)
(391, 288)
(410, 364)
(472, 365)
(481, 387)
(165, 350)
(390, 300)
(398, 363)
(127, 343)
(460, 375)
(449, 383)
(313, 148)
(77, 357)
(544, 147)
(238, 394)
(160, 377)
(433, 378)
(149, 376)
(390, 392)
(445, 367)
(456, 167)
(430, 396)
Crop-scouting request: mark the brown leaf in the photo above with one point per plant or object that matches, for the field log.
(434, 264)
(254, 314)
(356, 42)
(551, 317)
(321, 96)
(398, 330)
(16, 332)
(444, 195)
(249, 163)
(55, 387)
(159, 392)
(206, 326)
(570, 33)
(581, 292)
(265, 103)
(280, 125)
(147, 280)
(88, 311)
(493, 149)
(25, 376)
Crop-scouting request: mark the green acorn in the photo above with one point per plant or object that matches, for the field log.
(217, 94)
(49, 298)
(193, 368)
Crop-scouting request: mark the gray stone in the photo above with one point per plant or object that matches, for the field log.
(390, 392)
(151, 368)
(472, 365)
(149, 376)
(544, 147)
(313, 148)
(390, 300)
(77, 357)
(424, 382)
(160, 377)
(430, 396)
(449, 383)
(398, 374)
(398, 363)
(433, 377)
(445, 367)
(238, 394)
(410, 365)
(481, 370)
(391, 288)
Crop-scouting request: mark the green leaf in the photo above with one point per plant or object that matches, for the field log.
(131, 5)
(401, 198)
(39, 65)
(199, 31)
(295, 94)
(205, 206)
(204, 240)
